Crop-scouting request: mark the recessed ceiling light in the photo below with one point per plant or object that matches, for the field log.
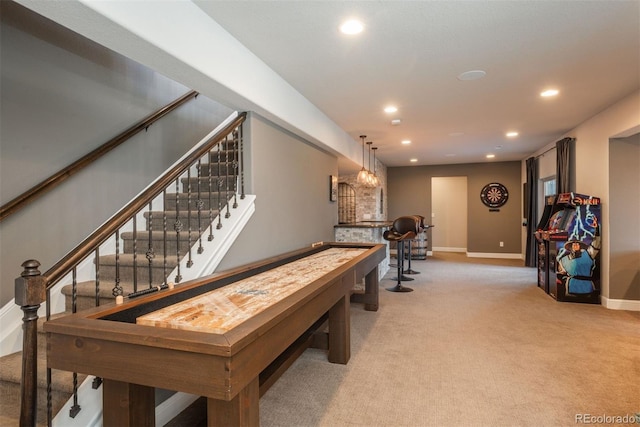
(413, 160)
(390, 109)
(549, 92)
(490, 156)
(395, 122)
(352, 26)
(450, 155)
(456, 134)
(511, 134)
(471, 75)
(406, 141)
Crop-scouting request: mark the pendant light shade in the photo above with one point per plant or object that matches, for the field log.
(376, 180)
(370, 182)
(363, 174)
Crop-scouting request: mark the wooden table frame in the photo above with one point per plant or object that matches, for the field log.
(225, 368)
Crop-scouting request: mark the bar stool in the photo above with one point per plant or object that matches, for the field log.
(403, 229)
(419, 229)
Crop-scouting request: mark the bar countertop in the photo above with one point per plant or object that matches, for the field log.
(366, 224)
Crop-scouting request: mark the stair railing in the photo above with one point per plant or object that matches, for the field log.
(218, 166)
(56, 179)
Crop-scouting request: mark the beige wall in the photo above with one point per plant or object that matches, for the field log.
(592, 163)
(410, 194)
(290, 179)
(624, 198)
(63, 96)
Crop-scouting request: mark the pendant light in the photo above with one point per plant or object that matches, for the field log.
(370, 181)
(376, 180)
(362, 175)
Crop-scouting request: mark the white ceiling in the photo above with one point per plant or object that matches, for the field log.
(411, 53)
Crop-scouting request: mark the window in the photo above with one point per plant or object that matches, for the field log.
(546, 187)
(549, 185)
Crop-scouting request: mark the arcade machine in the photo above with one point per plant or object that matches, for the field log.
(548, 224)
(573, 248)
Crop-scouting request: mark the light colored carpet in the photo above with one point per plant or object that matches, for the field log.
(475, 344)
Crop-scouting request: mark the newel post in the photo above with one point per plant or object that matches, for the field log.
(30, 293)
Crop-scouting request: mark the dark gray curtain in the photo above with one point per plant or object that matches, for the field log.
(563, 165)
(531, 211)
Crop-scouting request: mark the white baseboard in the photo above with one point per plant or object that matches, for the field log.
(448, 249)
(620, 304)
(494, 255)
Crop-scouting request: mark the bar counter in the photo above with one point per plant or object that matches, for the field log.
(366, 232)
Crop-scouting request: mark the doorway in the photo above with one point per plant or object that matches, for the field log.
(449, 213)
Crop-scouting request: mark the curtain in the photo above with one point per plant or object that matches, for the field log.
(531, 211)
(563, 165)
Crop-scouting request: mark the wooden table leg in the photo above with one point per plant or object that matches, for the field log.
(126, 404)
(242, 410)
(340, 331)
(371, 290)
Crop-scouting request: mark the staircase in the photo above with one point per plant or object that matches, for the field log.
(144, 258)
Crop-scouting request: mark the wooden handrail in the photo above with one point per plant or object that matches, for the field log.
(63, 266)
(56, 179)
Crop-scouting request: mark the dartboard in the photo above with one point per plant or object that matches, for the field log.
(494, 195)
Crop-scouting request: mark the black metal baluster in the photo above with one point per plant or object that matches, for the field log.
(74, 308)
(135, 253)
(199, 205)
(219, 226)
(241, 163)
(74, 291)
(190, 261)
(210, 238)
(97, 264)
(164, 236)
(150, 252)
(117, 289)
(226, 176)
(177, 226)
(235, 169)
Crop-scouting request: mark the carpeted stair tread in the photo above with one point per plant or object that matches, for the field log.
(143, 235)
(88, 289)
(224, 156)
(127, 260)
(213, 170)
(11, 371)
(212, 200)
(204, 184)
(159, 216)
(157, 243)
(171, 214)
(10, 378)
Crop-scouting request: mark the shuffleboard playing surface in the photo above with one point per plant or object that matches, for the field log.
(222, 309)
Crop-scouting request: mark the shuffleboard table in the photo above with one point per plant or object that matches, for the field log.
(225, 336)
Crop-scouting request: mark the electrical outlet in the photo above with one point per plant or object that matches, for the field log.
(502, 244)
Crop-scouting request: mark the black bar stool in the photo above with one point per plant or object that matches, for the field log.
(403, 229)
(419, 229)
